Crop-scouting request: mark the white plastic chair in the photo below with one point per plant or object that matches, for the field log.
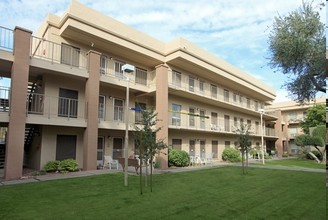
(109, 162)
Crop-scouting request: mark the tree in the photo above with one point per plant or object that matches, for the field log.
(297, 46)
(315, 116)
(145, 138)
(316, 139)
(244, 143)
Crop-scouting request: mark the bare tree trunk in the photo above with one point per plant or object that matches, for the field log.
(151, 174)
(146, 174)
(242, 161)
(246, 159)
(140, 172)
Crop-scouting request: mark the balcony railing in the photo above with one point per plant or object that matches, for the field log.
(55, 107)
(6, 39)
(4, 99)
(58, 53)
(215, 94)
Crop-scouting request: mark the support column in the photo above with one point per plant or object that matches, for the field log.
(92, 102)
(162, 107)
(17, 112)
(279, 134)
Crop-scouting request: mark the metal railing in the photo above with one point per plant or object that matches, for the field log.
(4, 99)
(6, 39)
(54, 107)
(58, 53)
(216, 94)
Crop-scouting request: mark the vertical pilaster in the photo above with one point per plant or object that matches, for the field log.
(162, 109)
(279, 133)
(17, 114)
(92, 102)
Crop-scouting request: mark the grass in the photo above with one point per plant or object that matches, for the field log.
(297, 163)
(218, 193)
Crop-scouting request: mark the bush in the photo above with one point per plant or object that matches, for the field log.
(52, 166)
(285, 154)
(231, 154)
(316, 153)
(178, 158)
(68, 165)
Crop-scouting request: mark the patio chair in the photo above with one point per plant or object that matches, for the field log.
(109, 162)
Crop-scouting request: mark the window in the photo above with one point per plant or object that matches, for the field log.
(176, 144)
(257, 127)
(191, 84)
(176, 78)
(241, 98)
(192, 147)
(227, 144)
(202, 118)
(70, 55)
(226, 95)
(118, 110)
(235, 122)
(248, 102)
(256, 105)
(66, 147)
(214, 120)
(101, 110)
(201, 86)
(138, 113)
(292, 116)
(141, 76)
(103, 64)
(68, 103)
(214, 91)
(227, 123)
(292, 132)
(176, 114)
(249, 123)
(191, 117)
(234, 97)
(215, 144)
(202, 152)
(241, 120)
(118, 69)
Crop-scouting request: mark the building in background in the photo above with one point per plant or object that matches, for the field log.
(67, 93)
(287, 127)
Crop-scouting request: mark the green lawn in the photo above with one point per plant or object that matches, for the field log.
(218, 193)
(296, 163)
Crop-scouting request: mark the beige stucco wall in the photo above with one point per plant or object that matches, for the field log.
(49, 141)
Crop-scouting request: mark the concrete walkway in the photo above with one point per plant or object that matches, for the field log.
(131, 171)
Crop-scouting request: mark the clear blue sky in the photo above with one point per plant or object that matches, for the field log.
(236, 31)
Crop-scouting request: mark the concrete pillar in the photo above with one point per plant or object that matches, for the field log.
(162, 110)
(92, 102)
(279, 133)
(17, 112)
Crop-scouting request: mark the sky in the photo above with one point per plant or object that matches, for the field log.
(236, 31)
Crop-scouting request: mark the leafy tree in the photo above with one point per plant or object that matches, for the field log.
(297, 46)
(244, 143)
(315, 116)
(316, 140)
(145, 138)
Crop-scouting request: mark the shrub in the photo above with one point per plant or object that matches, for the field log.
(231, 154)
(285, 154)
(52, 166)
(178, 158)
(68, 165)
(316, 153)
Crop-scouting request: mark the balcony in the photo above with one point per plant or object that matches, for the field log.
(184, 121)
(58, 53)
(213, 93)
(295, 120)
(43, 109)
(140, 79)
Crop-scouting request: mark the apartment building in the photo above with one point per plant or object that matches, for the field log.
(67, 93)
(287, 127)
